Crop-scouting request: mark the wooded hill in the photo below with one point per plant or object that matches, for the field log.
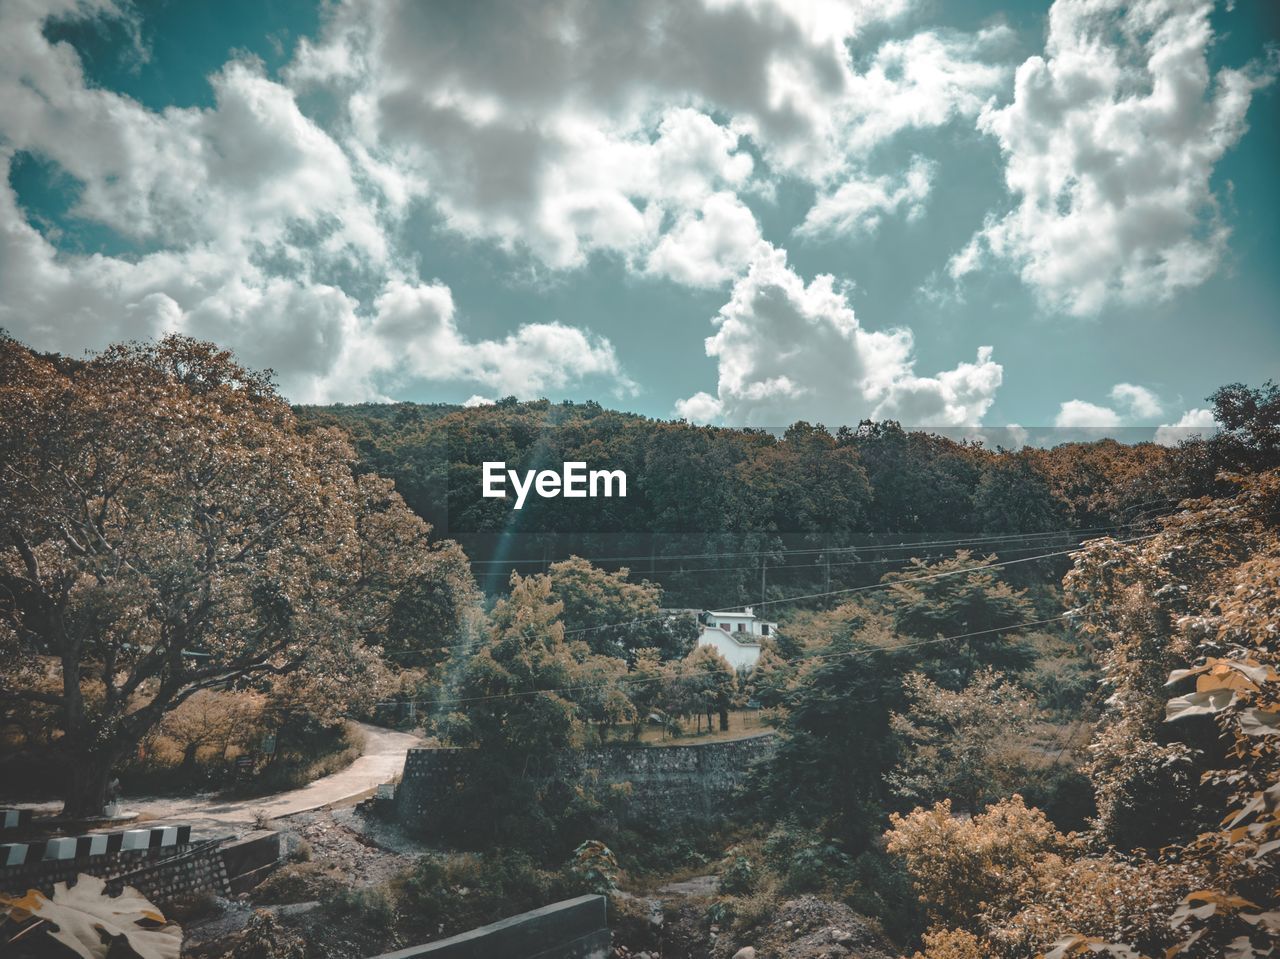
(708, 507)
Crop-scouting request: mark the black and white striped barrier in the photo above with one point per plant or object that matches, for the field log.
(95, 844)
(15, 818)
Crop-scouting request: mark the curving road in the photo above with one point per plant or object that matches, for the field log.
(382, 761)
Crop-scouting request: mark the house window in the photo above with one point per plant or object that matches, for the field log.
(742, 627)
(764, 629)
(725, 627)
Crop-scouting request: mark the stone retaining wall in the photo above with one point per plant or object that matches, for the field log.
(668, 784)
(160, 876)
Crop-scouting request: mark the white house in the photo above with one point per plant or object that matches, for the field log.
(736, 635)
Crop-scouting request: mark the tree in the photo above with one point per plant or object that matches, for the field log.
(1250, 420)
(1186, 624)
(954, 597)
(517, 693)
(966, 745)
(527, 698)
(165, 528)
(714, 683)
(212, 718)
(613, 615)
(835, 742)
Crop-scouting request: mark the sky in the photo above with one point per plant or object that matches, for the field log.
(744, 212)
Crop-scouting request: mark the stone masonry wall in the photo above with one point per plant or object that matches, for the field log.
(161, 874)
(668, 784)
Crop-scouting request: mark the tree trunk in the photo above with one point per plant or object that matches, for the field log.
(86, 793)
(724, 719)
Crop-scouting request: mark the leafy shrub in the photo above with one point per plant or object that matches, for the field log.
(806, 860)
(721, 912)
(738, 875)
(595, 868)
(443, 895)
(880, 889)
(960, 866)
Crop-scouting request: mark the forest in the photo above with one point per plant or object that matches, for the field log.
(1026, 701)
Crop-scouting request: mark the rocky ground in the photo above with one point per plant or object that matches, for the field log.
(340, 849)
(673, 923)
(337, 851)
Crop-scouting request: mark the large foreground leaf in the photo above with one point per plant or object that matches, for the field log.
(86, 920)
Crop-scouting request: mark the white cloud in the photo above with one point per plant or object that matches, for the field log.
(701, 407)
(1194, 422)
(478, 400)
(788, 350)
(1110, 143)
(857, 206)
(1131, 402)
(1083, 415)
(416, 328)
(251, 208)
(708, 247)
(1140, 401)
(567, 128)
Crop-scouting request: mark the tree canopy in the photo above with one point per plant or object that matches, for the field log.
(168, 528)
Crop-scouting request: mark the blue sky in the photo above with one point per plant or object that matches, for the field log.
(738, 211)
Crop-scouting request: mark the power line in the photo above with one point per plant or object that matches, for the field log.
(929, 577)
(881, 585)
(862, 651)
(960, 541)
(463, 647)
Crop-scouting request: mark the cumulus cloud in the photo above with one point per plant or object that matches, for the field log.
(249, 208)
(416, 327)
(701, 407)
(1194, 422)
(788, 350)
(857, 206)
(1081, 414)
(1131, 403)
(569, 128)
(708, 247)
(1138, 400)
(1110, 143)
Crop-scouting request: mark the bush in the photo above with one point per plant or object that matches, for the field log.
(881, 890)
(443, 895)
(299, 882)
(370, 906)
(806, 861)
(594, 868)
(738, 875)
(300, 851)
(265, 937)
(305, 751)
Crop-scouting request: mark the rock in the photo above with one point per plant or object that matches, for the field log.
(746, 952)
(842, 936)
